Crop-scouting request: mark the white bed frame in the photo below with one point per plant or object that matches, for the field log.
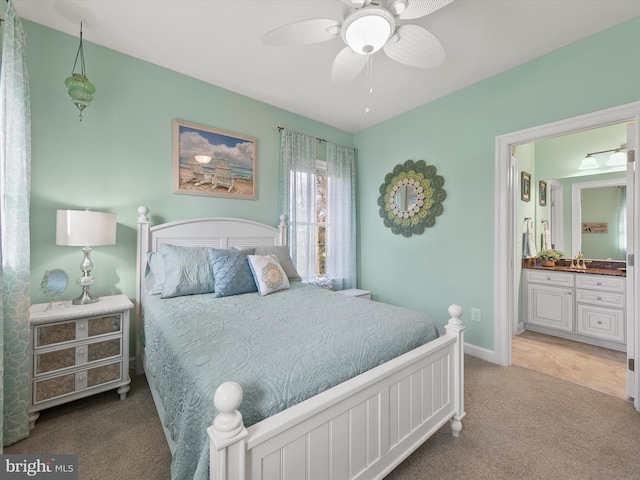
(360, 429)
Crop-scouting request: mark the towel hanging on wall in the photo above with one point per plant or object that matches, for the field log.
(545, 236)
(528, 240)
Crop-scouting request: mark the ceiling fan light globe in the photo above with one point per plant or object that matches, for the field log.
(368, 29)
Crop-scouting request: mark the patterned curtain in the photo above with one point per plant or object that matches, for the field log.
(297, 199)
(341, 216)
(15, 179)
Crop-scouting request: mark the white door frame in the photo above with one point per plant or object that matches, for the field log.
(505, 208)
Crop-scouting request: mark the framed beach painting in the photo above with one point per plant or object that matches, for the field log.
(212, 162)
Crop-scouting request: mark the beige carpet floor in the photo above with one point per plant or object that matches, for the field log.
(520, 424)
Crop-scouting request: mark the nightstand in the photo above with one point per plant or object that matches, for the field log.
(78, 350)
(354, 292)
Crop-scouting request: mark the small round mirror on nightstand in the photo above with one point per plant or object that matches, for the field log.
(54, 283)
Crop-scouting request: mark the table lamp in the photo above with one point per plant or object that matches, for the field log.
(85, 228)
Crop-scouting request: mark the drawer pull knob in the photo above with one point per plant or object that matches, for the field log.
(598, 283)
(599, 298)
(599, 322)
(548, 278)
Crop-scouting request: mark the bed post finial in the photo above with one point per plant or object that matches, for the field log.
(227, 434)
(142, 214)
(455, 327)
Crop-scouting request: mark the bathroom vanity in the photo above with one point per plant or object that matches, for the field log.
(586, 305)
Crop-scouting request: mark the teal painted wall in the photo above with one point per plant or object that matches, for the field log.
(120, 156)
(454, 261)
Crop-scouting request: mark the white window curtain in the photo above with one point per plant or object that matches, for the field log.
(341, 216)
(298, 156)
(15, 179)
(297, 199)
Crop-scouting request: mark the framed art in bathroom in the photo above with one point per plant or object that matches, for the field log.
(542, 193)
(525, 186)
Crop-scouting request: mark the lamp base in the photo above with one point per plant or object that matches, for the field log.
(85, 298)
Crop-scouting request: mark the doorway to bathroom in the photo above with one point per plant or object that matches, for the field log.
(558, 169)
(508, 259)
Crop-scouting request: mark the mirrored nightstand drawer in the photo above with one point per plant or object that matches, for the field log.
(70, 357)
(62, 332)
(61, 385)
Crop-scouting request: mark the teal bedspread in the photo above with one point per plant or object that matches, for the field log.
(282, 348)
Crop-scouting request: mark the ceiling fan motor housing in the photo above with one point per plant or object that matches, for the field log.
(367, 29)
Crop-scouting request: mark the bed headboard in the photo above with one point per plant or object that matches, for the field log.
(215, 232)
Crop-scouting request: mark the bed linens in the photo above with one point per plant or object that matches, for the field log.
(282, 348)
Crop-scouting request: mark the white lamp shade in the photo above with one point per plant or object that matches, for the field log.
(588, 163)
(84, 228)
(617, 159)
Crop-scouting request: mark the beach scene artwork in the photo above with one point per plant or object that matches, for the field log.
(212, 162)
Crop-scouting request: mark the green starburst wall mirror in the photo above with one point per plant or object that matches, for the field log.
(411, 198)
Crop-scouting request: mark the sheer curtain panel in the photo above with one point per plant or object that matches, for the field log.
(341, 216)
(300, 200)
(297, 199)
(15, 174)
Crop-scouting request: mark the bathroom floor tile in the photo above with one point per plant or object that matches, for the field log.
(593, 367)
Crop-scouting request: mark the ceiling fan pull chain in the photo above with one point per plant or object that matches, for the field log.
(369, 80)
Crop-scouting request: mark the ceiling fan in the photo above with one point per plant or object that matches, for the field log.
(370, 25)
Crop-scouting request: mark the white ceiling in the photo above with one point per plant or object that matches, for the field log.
(218, 41)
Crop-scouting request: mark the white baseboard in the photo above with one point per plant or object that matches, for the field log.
(481, 353)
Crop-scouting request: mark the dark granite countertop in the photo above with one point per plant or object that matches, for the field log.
(594, 267)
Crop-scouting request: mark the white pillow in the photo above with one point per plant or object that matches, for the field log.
(284, 257)
(268, 274)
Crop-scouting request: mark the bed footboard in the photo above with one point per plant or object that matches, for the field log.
(362, 428)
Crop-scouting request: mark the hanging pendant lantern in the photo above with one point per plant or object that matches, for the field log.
(81, 90)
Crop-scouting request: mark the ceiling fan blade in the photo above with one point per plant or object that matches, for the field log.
(347, 66)
(304, 32)
(415, 47)
(420, 8)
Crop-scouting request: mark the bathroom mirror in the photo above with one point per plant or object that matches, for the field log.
(598, 219)
(411, 198)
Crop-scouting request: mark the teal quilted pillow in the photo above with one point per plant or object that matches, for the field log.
(231, 272)
(187, 271)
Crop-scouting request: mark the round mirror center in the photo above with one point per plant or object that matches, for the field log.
(406, 198)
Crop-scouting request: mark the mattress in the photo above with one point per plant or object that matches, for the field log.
(282, 348)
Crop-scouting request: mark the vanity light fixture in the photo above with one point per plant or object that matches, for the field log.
(81, 90)
(588, 163)
(617, 159)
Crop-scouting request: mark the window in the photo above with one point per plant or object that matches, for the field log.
(319, 199)
(321, 218)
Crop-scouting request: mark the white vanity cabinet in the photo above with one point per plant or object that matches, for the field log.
(600, 307)
(579, 306)
(549, 300)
